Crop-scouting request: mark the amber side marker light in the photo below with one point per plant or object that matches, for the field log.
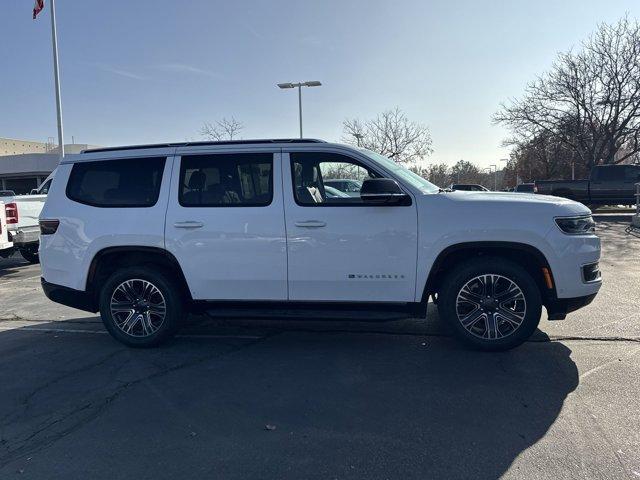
(546, 273)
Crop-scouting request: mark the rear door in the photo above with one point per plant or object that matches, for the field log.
(607, 184)
(343, 249)
(631, 178)
(225, 223)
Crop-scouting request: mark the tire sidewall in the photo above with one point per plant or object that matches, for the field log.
(167, 288)
(499, 266)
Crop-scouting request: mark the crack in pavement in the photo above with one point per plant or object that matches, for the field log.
(24, 403)
(42, 437)
(534, 339)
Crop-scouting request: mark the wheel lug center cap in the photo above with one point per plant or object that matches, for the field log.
(489, 303)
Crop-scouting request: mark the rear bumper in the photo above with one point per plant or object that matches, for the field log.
(25, 236)
(558, 308)
(68, 296)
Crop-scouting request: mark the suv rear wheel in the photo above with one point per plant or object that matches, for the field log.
(140, 306)
(491, 303)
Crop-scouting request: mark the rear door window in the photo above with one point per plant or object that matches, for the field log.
(130, 182)
(609, 174)
(632, 174)
(226, 180)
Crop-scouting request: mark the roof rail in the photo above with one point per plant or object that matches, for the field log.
(201, 144)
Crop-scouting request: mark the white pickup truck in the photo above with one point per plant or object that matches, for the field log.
(21, 213)
(6, 247)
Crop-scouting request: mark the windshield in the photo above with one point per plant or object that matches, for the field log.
(411, 178)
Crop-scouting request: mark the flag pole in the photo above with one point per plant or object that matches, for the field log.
(56, 75)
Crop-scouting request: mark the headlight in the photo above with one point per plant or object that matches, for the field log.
(576, 225)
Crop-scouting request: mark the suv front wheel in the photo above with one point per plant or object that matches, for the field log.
(491, 303)
(140, 306)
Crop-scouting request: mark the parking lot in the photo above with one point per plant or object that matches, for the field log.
(308, 399)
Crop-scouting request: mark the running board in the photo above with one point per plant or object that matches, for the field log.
(309, 310)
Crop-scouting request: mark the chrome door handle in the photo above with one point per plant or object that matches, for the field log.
(311, 224)
(188, 224)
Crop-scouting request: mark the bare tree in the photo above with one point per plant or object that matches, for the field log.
(589, 101)
(438, 174)
(224, 129)
(391, 134)
(465, 172)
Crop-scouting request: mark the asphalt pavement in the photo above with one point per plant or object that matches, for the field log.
(297, 399)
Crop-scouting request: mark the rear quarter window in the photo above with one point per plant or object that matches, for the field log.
(130, 182)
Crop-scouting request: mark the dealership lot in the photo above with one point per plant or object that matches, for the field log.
(308, 399)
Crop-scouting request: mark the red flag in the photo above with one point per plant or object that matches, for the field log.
(37, 8)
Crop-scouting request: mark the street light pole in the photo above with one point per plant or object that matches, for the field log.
(503, 174)
(495, 177)
(299, 86)
(300, 107)
(56, 76)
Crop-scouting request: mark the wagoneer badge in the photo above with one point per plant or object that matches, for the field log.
(371, 276)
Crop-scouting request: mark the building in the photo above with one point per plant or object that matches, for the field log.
(24, 164)
(12, 146)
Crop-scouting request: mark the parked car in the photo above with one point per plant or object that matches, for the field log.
(469, 187)
(348, 186)
(607, 185)
(22, 212)
(525, 187)
(6, 246)
(334, 192)
(145, 234)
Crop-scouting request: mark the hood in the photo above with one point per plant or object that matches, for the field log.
(508, 201)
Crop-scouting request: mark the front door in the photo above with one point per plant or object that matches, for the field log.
(339, 247)
(225, 224)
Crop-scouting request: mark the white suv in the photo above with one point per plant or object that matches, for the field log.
(144, 233)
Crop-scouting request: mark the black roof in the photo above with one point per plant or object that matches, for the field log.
(199, 144)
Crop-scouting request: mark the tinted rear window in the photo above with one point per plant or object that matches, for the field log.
(131, 182)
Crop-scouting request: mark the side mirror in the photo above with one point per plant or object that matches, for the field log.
(383, 191)
(34, 191)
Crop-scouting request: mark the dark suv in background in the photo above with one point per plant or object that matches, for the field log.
(607, 185)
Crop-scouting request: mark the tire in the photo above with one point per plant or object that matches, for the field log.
(30, 256)
(500, 322)
(143, 295)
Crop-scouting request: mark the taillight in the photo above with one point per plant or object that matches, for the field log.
(11, 209)
(48, 227)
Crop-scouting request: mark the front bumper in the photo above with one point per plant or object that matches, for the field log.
(568, 257)
(68, 296)
(558, 308)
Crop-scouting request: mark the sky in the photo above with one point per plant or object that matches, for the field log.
(144, 71)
